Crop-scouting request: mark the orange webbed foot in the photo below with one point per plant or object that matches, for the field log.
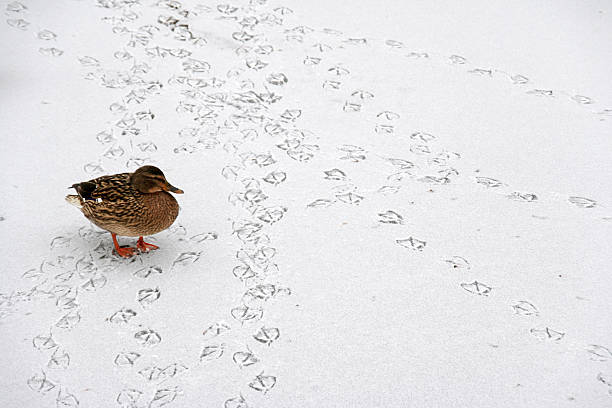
(145, 246)
(125, 252)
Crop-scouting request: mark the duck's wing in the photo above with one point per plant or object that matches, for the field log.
(110, 201)
(106, 188)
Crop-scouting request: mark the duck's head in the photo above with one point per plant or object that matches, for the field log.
(150, 179)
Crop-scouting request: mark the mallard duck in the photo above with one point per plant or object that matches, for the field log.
(128, 204)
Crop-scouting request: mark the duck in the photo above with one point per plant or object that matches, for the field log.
(134, 204)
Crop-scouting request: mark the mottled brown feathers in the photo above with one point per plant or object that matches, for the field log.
(113, 204)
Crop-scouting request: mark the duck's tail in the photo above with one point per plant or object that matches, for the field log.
(74, 200)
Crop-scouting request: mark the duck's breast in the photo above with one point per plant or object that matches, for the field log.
(160, 211)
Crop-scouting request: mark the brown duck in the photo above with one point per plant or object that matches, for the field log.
(128, 204)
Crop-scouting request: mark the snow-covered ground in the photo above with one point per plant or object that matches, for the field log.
(387, 203)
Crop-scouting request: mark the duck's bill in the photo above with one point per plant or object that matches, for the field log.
(175, 190)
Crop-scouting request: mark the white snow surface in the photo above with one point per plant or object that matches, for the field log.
(387, 203)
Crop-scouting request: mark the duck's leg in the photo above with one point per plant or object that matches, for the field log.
(124, 252)
(145, 246)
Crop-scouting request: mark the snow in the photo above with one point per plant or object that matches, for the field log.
(386, 204)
